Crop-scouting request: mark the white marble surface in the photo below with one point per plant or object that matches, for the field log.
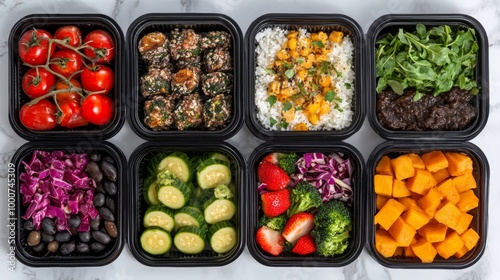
(244, 12)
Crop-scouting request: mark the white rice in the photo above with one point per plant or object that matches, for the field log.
(270, 41)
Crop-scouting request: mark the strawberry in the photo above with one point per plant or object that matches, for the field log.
(273, 176)
(270, 240)
(275, 203)
(305, 245)
(297, 226)
(272, 158)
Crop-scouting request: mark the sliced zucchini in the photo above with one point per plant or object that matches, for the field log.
(173, 192)
(159, 216)
(223, 191)
(222, 236)
(220, 156)
(179, 164)
(150, 194)
(188, 216)
(154, 162)
(212, 172)
(190, 240)
(217, 210)
(156, 241)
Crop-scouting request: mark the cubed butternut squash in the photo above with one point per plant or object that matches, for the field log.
(448, 190)
(470, 238)
(461, 252)
(421, 182)
(430, 202)
(383, 184)
(407, 202)
(380, 200)
(399, 252)
(467, 201)
(433, 232)
(435, 161)
(449, 215)
(408, 251)
(416, 217)
(463, 223)
(402, 232)
(458, 163)
(450, 245)
(384, 166)
(385, 244)
(441, 175)
(417, 161)
(403, 167)
(424, 250)
(464, 182)
(389, 213)
(399, 189)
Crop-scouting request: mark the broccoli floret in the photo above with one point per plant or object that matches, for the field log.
(275, 223)
(304, 197)
(288, 162)
(330, 245)
(333, 225)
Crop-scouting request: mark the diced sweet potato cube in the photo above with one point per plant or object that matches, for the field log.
(458, 163)
(409, 252)
(463, 223)
(389, 213)
(407, 202)
(403, 167)
(435, 161)
(415, 196)
(384, 166)
(430, 202)
(402, 232)
(399, 189)
(383, 184)
(417, 161)
(424, 250)
(421, 182)
(449, 215)
(380, 200)
(461, 252)
(385, 244)
(433, 232)
(416, 217)
(441, 175)
(450, 245)
(470, 238)
(399, 251)
(464, 182)
(448, 190)
(468, 201)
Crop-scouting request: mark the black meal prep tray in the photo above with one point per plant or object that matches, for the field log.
(313, 23)
(391, 24)
(137, 166)
(50, 23)
(357, 239)
(479, 223)
(200, 23)
(24, 253)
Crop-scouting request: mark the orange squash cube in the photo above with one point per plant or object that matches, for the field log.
(416, 217)
(421, 182)
(430, 202)
(448, 190)
(458, 163)
(470, 238)
(380, 200)
(424, 250)
(441, 175)
(384, 166)
(408, 202)
(417, 161)
(435, 161)
(449, 215)
(463, 223)
(403, 167)
(389, 213)
(450, 245)
(468, 201)
(402, 232)
(383, 184)
(433, 232)
(399, 189)
(399, 252)
(385, 244)
(464, 182)
(461, 252)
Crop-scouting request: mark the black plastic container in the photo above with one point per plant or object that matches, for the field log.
(24, 253)
(200, 23)
(138, 164)
(50, 23)
(479, 222)
(288, 259)
(312, 23)
(390, 24)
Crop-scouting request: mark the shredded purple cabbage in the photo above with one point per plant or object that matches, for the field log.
(56, 185)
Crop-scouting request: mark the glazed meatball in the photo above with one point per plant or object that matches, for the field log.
(216, 83)
(218, 60)
(153, 48)
(186, 81)
(217, 111)
(216, 39)
(158, 112)
(189, 112)
(184, 44)
(155, 82)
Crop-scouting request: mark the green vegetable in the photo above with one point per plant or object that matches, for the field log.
(332, 226)
(156, 241)
(287, 161)
(304, 197)
(179, 164)
(287, 106)
(289, 73)
(190, 240)
(149, 191)
(318, 44)
(172, 192)
(272, 121)
(218, 209)
(271, 100)
(274, 223)
(432, 60)
(188, 216)
(212, 172)
(223, 191)
(159, 216)
(222, 237)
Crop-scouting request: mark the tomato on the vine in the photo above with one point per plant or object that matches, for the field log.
(70, 95)
(37, 82)
(70, 115)
(66, 62)
(97, 109)
(98, 79)
(39, 116)
(70, 34)
(34, 47)
(100, 46)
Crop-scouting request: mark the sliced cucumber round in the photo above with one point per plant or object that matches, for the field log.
(212, 172)
(217, 210)
(159, 216)
(173, 193)
(222, 236)
(179, 164)
(150, 194)
(220, 156)
(190, 240)
(188, 216)
(156, 241)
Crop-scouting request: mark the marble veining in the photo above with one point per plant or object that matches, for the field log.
(118, 5)
(5, 158)
(189, 5)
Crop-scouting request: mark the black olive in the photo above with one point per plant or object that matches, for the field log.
(63, 236)
(99, 199)
(95, 223)
(40, 247)
(106, 214)
(111, 228)
(110, 188)
(85, 236)
(68, 248)
(110, 203)
(47, 237)
(74, 221)
(34, 238)
(100, 188)
(95, 156)
(28, 225)
(101, 237)
(53, 246)
(109, 159)
(97, 247)
(49, 226)
(82, 248)
(94, 171)
(109, 171)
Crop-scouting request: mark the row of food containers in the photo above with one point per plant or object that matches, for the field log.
(299, 82)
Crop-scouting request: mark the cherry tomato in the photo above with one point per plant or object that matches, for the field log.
(97, 109)
(69, 95)
(100, 46)
(40, 116)
(66, 62)
(70, 115)
(98, 79)
(34, 47)
(70, 34)
(37, 82)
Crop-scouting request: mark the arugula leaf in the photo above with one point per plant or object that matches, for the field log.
(271, 99)
(272, 121)
(318, 44)
(417, 96)
(289, 73)
(287, 106)
(396, 86)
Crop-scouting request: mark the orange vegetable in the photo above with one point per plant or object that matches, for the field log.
(383, 184)
(424, 250)
(407, 202)
(458, 163)
(399, 189)
(441, 175)
(385, 244)
(402, 232)
(408, 251)
(433, 232)
(467, 201)
(384, 166)
(449, 215)
(389, 213)
(450, 245)
(470, 239)
(448, 190)
(461, 252)
(416, 217)
(421, 182)
(381, 200)
(430, 202)
(417, 161)
(435, 161)
(463, 223)
(399, 251)
(403, 167)
(464, 182)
